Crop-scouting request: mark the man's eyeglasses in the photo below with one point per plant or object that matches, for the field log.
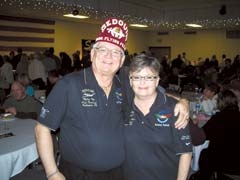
(145, 78)
(104, 51)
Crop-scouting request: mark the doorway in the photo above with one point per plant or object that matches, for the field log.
(159, 52)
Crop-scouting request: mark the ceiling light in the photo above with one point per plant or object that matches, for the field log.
(76, 16)
(139, 25)
(194, 25)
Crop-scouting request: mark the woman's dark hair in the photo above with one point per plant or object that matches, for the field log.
(227, 98)
(141, 61)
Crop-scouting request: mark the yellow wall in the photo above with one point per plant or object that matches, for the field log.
(203, 44)
(68, 36)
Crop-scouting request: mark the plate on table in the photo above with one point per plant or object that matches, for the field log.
(7, 117)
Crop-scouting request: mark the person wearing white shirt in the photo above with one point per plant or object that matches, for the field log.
(209, 98)
(208, 104)
(36, 71)
(6, 75)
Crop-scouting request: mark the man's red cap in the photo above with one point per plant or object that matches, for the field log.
(114, 31)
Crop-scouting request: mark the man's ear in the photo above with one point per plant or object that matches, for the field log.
(157, 82)
(92, 54)
(130, 80)
(122, 60)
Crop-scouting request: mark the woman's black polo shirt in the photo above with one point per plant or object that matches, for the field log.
(153, 144)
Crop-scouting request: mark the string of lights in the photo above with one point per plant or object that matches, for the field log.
(60, 7)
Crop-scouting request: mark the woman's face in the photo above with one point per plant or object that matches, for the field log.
(144, 82)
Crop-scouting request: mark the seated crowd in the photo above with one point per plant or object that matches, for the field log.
(220, 100)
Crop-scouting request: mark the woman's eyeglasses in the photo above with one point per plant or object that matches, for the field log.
(145, 78)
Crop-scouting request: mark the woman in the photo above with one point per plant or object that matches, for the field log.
(155, 149)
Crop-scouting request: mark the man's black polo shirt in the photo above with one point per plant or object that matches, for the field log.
(91, 125)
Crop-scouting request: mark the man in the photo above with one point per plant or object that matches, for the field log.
(20, 104)
(87, 107)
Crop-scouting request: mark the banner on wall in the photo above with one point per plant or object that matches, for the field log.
(87, 46)
(26, 33)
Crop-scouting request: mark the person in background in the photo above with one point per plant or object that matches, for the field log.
(36, 71)
(222, 61)
(48, 62)
(22, 66)
(20, 104)
(155, 149)
(87, 108)
(227, 72)
(6, 75)
(235, 88)
(11, 55)
(86, 61)
(222, 154)
(208, 100)
(15, 60)
(185, 60)
(76, 62)
(210, 94)
(53, 77)
(66, 63)
(58, 62)
(214, 62)
(26, 82)
(207, 104)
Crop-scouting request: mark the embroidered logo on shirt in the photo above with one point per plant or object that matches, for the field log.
(88, 99)
(162, 118)
(186, 139)
(119, 96)
(43, 113)
(131, 119)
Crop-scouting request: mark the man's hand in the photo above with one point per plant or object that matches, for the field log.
(11, 110)
(182, 111)
(57, 176)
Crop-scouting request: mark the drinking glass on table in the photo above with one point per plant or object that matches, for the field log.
(4, 127)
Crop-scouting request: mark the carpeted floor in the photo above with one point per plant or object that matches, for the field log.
(36, 173)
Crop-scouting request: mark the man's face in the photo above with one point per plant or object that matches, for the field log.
(107, 58)
(18, 91)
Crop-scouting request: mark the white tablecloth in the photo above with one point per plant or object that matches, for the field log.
(196, 155)
(18, 151)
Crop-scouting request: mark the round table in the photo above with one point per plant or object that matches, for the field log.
(19, 150)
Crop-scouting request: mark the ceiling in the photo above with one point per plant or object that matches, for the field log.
(161, 15)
